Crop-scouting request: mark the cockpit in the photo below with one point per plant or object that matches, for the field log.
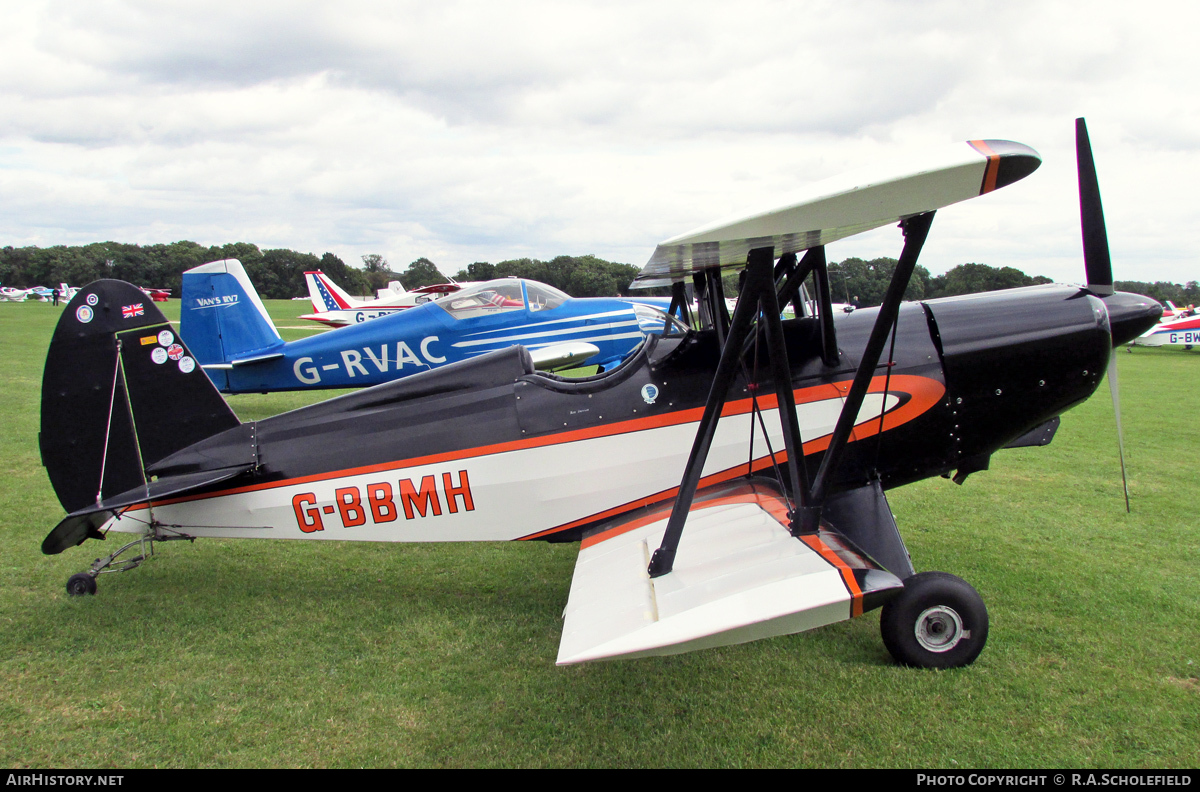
(663, 334)
(501, 296)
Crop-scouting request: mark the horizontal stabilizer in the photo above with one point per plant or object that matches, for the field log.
(739, 576)
(843, 206)
(78, 526)
(244, 361)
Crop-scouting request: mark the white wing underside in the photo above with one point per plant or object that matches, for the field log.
(739, 576)
(836, 208)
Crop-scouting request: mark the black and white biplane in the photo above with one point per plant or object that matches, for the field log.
(725, 483)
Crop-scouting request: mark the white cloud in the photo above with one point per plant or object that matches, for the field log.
(479, 131)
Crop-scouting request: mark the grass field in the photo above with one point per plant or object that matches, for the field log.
(322, 654)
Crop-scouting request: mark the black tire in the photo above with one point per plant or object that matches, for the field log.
(938, 621)
(81, 584)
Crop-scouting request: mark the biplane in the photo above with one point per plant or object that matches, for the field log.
(725, 484)
(234, 339)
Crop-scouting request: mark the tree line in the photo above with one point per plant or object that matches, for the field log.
(276, 274)
(1181, 295)
(864, 283)
(279, 273)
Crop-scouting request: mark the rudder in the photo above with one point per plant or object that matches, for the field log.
(222, 317)
(119, 392)
(327, 295)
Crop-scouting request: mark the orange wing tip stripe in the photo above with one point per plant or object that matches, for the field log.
(993, 165)
(856, 595)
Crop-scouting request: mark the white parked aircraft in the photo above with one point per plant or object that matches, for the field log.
(334, 307)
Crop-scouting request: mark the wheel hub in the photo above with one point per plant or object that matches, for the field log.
(939, 629)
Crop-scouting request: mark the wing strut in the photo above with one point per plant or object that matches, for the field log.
(829, 352)
(710, 295)
(759, 299)
(680, 305)
(916, 229)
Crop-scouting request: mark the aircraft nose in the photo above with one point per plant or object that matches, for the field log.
(1130, 315)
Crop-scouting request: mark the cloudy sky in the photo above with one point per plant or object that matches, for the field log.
(468, 131)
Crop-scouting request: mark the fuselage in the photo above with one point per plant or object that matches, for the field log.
(491, 450)
(1178, 331)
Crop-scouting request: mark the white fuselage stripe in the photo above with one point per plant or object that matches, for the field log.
(507, 495)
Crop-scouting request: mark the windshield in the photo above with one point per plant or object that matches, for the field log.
(484, 299)
(652, 320)
(543, 297)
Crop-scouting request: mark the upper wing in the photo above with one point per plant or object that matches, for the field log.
(843, 206)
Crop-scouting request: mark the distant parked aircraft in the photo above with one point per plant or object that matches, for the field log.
(337, 309)
(227, 327)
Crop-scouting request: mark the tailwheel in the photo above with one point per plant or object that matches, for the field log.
(81, 584)
(84, 583)
(937, 621)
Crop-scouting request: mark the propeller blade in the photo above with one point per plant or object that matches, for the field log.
(1115, 388)
(1096, 260)
(1097, 264)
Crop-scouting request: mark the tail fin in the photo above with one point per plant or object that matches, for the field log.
(119, 393)
(223, 318)
(327, 295)
(394, 289)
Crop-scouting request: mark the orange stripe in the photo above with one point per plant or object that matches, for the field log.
(925, 393)
(993, 165)
(771, 503)
(856, 595)
(720, 477)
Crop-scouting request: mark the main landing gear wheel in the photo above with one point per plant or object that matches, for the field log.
(81, 584)
(938, 621)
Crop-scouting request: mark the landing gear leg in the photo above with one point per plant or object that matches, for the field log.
(938, 621)
(84, 583)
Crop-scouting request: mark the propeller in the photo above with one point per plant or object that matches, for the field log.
(1097, 263)
(1096, 260)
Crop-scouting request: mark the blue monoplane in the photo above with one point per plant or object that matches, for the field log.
(228, 330)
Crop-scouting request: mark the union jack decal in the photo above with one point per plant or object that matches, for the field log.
(130, 311)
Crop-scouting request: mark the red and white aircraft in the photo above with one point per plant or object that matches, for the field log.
(1182, 329)
(158, 295)
(335, 308)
